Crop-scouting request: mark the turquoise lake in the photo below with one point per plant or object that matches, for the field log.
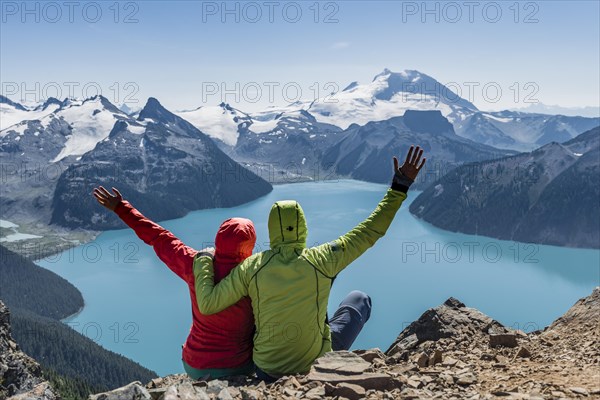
(134, 305)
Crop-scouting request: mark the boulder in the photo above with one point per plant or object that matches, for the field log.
(523, 352)
(504, 340)
(452, 319)
(435, 358)
(348, 391)
(133, 391)
(341, 362)
(367, 380)
(370, 355)
(315, 393)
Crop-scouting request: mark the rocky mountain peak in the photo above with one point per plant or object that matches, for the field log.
(6, 100)
(49, 101)
(454, 303)
(151, 109)
(154, 110)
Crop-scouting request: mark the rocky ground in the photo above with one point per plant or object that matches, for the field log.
(450, 352)
(20, 376)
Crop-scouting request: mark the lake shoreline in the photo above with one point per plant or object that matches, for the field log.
(66, 319)
(91, 235)
(37, 249)
(30, 248)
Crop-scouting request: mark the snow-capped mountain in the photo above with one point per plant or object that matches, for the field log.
(225, 123)
(128, 109)
(62, 129)
(49, 103)
(294, 146)
(390, 94)
(162, 163)
(272, 112)
(91, 121)
(281, 145)
(287, 148)
(12, 113)
(221, 122)
(548, 196)
(541, 108)
(5, 101)
(36, 151)
(50, 164)
(522, 131)
(346, 133)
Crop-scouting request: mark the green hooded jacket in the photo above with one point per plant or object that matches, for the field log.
(289, 284)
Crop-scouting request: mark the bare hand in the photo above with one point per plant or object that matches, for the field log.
(106, 199)
(411, 166)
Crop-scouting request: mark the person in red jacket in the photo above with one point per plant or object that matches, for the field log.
(221, 344)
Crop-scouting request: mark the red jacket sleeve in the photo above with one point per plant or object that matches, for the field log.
(176, 255)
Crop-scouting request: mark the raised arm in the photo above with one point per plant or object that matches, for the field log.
(331, 258)
(213, 298)
(172, 251)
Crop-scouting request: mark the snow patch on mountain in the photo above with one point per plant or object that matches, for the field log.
(14, 235)
(137, 129)
(18, 128)
(495, 118)
(273, 112)
(263, 126)
(541, 108)
(7, 224)
(91, 122)
(389, 95)
(11, 116)
(219, 122)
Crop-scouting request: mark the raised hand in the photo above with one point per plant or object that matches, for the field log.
(106, 199)
(411, 167)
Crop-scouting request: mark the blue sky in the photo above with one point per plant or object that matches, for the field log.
(180, 51)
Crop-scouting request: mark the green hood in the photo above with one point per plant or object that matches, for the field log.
(287, 225)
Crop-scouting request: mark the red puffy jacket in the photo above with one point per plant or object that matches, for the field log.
(222, 340)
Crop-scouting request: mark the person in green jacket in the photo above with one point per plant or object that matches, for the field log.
(289, 284)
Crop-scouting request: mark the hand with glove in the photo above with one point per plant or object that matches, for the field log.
(405, 175)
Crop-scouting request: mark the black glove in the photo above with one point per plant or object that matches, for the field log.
(207, 252)
(401, 183)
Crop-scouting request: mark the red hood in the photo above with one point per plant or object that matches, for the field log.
(233, 244)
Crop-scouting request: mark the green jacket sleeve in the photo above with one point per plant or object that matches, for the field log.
(213, 298)
(331, 258)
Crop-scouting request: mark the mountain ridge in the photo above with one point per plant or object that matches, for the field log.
(168, 157)
(548, 196)
(280, 145)
(364, 152)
